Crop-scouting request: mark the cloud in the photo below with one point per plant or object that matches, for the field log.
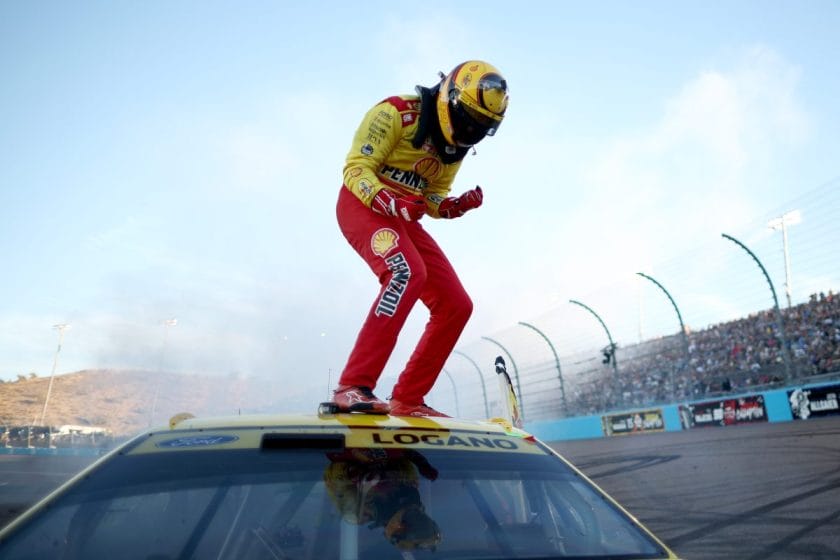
(652, 194)
(270, 154)
(428, 50)
(692, 173)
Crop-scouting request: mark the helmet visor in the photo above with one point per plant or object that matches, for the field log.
(477, 112)
(469, 126)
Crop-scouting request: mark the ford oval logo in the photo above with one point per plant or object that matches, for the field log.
(196, 441)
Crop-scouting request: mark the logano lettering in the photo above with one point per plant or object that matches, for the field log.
(446, 440)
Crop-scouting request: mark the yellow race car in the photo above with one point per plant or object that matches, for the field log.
(331, 486)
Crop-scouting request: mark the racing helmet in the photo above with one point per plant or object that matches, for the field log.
(410, 528)
(471, 103)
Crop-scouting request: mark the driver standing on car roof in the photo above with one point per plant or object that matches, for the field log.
(401, 166)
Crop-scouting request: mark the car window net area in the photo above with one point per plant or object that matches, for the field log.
(346, 505)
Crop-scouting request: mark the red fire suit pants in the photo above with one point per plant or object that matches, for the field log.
(410, 266)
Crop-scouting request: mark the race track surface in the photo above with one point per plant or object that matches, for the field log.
(25, 479)
(746, 492)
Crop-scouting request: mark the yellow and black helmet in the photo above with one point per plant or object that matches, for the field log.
(471, 103)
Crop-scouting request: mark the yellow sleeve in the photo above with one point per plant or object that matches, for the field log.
(375, 139)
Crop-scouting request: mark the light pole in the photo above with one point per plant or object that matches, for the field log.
(481, 377)
(166, 324)
(556, 363)
(454, 392)
(612, 357)
(683, 333)
(60, 328)
(787, 219)
(778, 313)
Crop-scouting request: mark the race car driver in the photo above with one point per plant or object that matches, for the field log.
(400, 168)
(379, 487)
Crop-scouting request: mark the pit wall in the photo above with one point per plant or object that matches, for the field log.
(779, 405)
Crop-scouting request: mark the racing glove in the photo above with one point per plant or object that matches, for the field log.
(409, 208)
(455, 207)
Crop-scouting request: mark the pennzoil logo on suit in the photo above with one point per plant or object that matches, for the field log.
(392, 295)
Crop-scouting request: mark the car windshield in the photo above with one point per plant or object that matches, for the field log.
(353, 503)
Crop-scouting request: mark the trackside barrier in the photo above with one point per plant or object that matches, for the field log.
(582, 427)
(778, 405)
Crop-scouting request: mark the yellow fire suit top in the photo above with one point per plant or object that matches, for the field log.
(384, 156)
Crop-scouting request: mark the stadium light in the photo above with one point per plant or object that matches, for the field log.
(787, 219)
(61, 327)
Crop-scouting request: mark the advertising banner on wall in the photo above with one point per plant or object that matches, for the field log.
(724, 412)
(814, 402)
(642, 421)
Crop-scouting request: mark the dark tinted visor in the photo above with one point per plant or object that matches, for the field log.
(470, 126)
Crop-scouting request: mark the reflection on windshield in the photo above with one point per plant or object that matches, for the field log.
(380, 488)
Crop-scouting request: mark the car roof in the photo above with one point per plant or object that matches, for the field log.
(338, 422)
(298, 431)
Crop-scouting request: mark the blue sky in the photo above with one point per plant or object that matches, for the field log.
(182, 159)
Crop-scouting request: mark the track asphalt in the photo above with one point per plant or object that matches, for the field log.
(747, 492)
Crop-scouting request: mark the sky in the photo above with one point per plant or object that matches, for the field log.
(181, 160)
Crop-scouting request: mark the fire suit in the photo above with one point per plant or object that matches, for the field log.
(397, 147)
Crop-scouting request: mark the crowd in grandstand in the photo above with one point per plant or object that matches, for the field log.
(734, 356)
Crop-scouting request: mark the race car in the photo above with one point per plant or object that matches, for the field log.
(329, 486)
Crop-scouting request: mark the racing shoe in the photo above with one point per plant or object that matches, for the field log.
(418, 410)
(351, 398)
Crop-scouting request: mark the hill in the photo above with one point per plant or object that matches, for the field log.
(128, 401)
